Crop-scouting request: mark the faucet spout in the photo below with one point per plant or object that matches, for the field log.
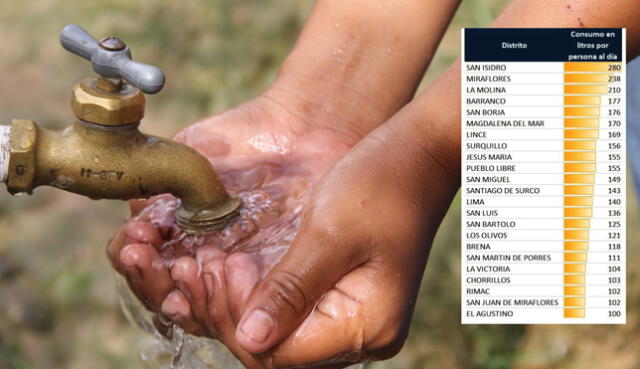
(105, 162)
(103, 155)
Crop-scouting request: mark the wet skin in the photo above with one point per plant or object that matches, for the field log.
(327, 303)
(205, 291)
(344, 290)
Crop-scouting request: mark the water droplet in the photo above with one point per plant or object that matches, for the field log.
(267, 225)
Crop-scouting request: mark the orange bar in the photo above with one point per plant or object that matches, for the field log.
(575, 279)
(574, 301)
(575, 257)
(579, 167)
(582, 112)
(576, 223)
(575, 268)
(592, 67)
(586, 89)
(578, 212)
(580, 133)
(578, 201)
(576, 235)
(579, 145)
(577, 189)
(576, 246)
(574, 313)
(582, 100)
(579, 178)
(586, 78)
(574, 290)
(580, 156)
(582, 122)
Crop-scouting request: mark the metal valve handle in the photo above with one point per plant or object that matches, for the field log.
(111, 58)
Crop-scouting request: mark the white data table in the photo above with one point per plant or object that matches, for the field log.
(543, 176)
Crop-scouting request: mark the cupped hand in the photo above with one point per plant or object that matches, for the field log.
(267, 152)
(345, 290)
(342, 290)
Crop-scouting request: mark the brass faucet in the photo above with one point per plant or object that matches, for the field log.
(103, 155)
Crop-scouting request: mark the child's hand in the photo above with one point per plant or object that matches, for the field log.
(345, 76)
(344, 291)
(258, 146)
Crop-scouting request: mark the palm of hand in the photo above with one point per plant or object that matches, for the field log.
(259, 147)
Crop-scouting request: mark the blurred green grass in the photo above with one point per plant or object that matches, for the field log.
(57, 295)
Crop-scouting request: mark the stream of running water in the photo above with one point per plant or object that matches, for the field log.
(269, 219)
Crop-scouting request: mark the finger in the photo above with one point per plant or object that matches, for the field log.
(186, 273)
(208, 252)
(361, 318)
(177, 308)
(143, 232)
(216, 285)
(217, 306)
(332, 330)
(147, 272)
(242, 276)
(316, 260)
(132, 232)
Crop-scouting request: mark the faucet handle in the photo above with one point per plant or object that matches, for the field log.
(111, 58)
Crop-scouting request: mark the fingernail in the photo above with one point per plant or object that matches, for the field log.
(129, 261)
(257, 326)
(175, 305)
(128, 256)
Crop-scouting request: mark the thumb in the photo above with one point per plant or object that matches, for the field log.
(312, 265)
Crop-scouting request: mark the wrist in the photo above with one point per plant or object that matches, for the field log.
(420, 147)
(328, 103)
(434, 118)
(357, 63)
(336, 87)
